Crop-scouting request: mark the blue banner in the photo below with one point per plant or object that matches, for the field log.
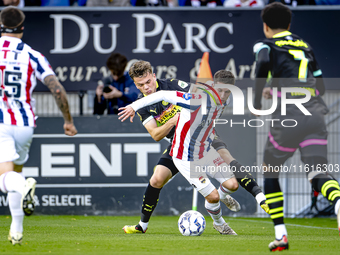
(77, 42)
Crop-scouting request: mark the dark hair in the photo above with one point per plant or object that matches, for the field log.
(276, 15)
(11, 17)
(139, 69)
(116, 64)
(223, 76)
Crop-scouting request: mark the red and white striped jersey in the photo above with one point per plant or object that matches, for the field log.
(192, 138)
(20, 65)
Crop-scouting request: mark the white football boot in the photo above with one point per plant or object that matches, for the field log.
(224, 229)
(27, 200)
(15, 238)
(231, 203)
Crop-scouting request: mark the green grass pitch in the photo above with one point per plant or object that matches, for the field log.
(104, 235)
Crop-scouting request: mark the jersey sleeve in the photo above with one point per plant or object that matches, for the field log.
(185, 100)
(317, 73)
(40, 65)
(262, 58)
(144, 116)
(178, 85)
(315, 67)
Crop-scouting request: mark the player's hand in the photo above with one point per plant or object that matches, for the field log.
(70, 129)
(266, 93)
(126, 112)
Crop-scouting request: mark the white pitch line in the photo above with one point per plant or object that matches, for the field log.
(93, 185)
(293, 225)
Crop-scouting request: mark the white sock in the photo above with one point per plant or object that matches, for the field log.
(337, 207)
(12, 182)
(280, 231)
(144, 225)
(215, 211)
(22, 174)
(14, 200)
(223, 192)
(260, 197)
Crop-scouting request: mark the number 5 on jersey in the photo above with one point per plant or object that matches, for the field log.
(10, 83)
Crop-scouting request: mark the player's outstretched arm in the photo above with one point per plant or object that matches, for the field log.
(60, 97)
(173, 97)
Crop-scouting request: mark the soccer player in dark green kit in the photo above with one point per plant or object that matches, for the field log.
(291, 63)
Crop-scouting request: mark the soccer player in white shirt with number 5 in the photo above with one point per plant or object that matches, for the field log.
(20, 65)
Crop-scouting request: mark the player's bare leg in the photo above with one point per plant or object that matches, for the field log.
(159, 178)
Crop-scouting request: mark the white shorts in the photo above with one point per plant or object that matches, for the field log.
(198, 172)
(15, 143)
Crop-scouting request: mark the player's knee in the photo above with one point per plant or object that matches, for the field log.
(233, 184)
(157, 181)
(213, 197)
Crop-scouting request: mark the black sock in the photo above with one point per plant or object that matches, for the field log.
(328, 187)
(150, 201)
(274, 197)
(245, 179)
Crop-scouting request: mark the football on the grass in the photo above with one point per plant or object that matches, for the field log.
(191, 223)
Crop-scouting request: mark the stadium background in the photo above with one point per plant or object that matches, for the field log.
(105, 168)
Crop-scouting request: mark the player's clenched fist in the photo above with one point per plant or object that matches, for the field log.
(70, 129)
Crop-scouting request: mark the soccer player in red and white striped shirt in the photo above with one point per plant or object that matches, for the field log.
(20, 65)
(191, 146)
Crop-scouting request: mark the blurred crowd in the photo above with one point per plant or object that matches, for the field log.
(168, 3)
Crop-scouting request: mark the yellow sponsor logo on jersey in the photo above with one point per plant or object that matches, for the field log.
(167, 114)
(311, 90)
(297, 43)
(165, 103)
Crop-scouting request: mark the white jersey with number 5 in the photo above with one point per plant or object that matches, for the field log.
(20, 65)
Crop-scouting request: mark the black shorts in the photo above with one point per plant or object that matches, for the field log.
(309, 136)
(166, 160)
